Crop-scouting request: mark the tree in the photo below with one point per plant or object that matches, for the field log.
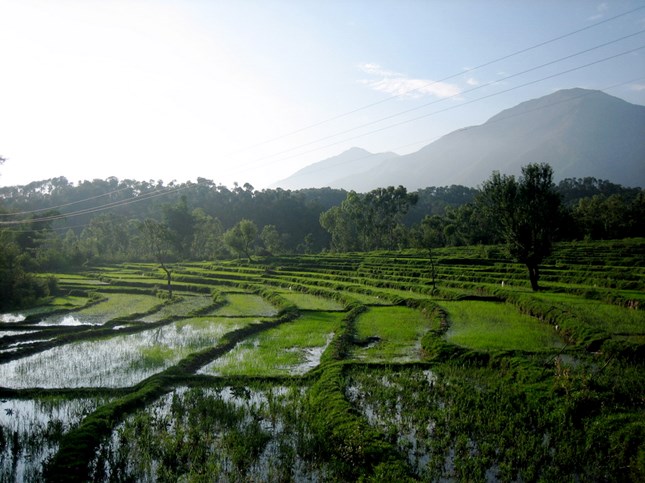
(526, 212)
(271, 239)
(369, 222)
(159, 240)
(341, 223)
(181, 226)
(384, 210)
(207, 236)
(241, 237)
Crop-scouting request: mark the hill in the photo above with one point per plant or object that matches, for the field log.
(338, 171)
(581, 133)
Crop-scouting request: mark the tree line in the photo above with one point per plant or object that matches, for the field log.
(55, 224)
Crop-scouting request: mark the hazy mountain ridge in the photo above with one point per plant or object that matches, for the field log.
(337, 171)
(579, 132)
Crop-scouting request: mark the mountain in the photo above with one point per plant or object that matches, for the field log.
(578, 132)
(337, 171)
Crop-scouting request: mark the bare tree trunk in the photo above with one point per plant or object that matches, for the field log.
(534, 276)
(169, 279)
(433, 271)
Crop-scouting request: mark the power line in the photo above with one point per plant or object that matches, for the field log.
(428, 141)
(440, 100)
(452, 76)
(156, 193)
(449, 97)
(114, 204)
(465, 103)
(17, 213)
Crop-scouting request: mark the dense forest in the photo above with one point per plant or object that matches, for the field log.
(56, 224)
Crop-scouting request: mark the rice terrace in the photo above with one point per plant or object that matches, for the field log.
(371, 366)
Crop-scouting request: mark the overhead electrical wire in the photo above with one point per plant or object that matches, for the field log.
(541, 44)
(428, 141)
(465, 103)
(255, 162)
(17, 213)
(425, 141)
(149, 196)
(114, 204)
(443, 79)
(561, 59)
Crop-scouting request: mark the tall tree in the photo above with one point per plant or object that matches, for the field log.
(181, 226)
(368, 222)
(272, 239)
(526, 212)
(207, 237)
(159, 241)
(241, 238)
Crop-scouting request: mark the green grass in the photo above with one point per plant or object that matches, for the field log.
(369, 299)
(68, 301)
(119, 305)
(611, 318)
(497, 326)
(399, 330)
(245, 304)
(476, 411)
(291, 348)
(187, 304)
(306, 301)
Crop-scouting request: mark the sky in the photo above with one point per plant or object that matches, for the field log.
(243, 91)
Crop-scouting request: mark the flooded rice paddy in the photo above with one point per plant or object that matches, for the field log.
(292, 348)
(31, 429)
(225, 434)
(230, 387)
(121, 360)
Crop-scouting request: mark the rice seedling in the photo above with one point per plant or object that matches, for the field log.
(225, 434)
(291, 348)
(30, 431)
(182, 307)
(306, 301)
(246, 305)
(495, 325)
(390, 334)
(611, 318)
(122, 360)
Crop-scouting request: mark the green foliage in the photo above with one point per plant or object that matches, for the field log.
(272, 240)
(495, 325)
(18, 287)
(516, 409)
(526, 212)
(391, 334)
(242, 237)
(369, 222)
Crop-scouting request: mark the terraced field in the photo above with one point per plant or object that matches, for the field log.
(333, 367)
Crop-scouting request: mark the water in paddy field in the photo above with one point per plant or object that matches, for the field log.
(31, 429)
(70, 320)
(243, 434)
(9, 318)
(120, 361)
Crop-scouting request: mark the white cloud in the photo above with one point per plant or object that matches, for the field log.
(398, 84)
(637, 87)
(601, 10)
(471, 81)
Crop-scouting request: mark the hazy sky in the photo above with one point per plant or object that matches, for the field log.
(252, 91)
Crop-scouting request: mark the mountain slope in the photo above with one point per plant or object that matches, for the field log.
(331, 172)
(579, 132)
